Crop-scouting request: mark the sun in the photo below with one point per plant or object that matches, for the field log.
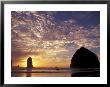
(36, 61)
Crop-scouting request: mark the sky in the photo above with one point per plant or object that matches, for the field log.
(51, 38)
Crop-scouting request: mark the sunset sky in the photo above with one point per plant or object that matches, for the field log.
(52, 37)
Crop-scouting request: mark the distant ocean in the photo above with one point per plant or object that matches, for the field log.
(41, 73)
(50, 72)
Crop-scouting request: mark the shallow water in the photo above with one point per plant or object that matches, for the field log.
(41, 74)
(49, 72)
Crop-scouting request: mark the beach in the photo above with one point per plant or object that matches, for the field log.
(51, 72)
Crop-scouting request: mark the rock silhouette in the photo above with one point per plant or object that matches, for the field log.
(29, 64)
(85, 59)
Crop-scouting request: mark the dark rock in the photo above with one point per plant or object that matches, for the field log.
(29, 64)
(86, 74)
(85, 59)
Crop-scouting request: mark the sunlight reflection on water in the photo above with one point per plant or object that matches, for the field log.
(41, 74)
(52, 72)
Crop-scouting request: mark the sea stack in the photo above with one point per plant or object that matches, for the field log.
(85, 59)
(29, 64)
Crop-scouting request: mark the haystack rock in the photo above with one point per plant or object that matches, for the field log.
(85, 59)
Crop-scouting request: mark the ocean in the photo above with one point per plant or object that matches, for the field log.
(54, 72)
(42, 73)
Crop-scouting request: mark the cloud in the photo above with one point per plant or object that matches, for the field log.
(38, 33)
